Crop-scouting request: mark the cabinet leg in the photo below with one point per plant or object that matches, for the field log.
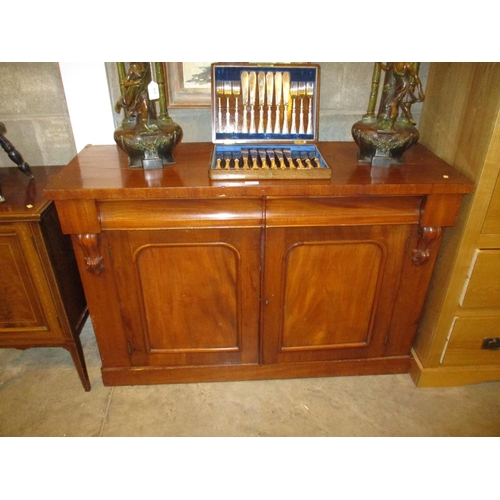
(76, 352)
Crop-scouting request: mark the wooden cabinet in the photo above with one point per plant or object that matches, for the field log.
(42, 303)
(189, 279)
(459, 336)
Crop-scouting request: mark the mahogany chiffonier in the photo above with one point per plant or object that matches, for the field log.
(190, 280)
(42, 302)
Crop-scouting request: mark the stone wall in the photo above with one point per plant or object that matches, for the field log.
(33, 107)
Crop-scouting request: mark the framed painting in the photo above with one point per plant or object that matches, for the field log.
(188, 84)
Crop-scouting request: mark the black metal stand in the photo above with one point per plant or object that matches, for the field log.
(14, 155)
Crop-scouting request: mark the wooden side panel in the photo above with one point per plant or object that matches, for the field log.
(441, 210)
(110, 325)
(78, 216)
(61, 260)
(492, 220)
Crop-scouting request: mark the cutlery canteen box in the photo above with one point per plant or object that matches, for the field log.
(265, 122)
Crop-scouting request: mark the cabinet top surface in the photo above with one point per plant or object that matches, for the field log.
(24, 200)
(102, 172)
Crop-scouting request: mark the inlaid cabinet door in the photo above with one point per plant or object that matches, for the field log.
(20, 306)
(189, 297)
(329, 292)
(27, 312)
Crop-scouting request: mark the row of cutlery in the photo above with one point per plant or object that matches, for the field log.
(265, 102)
(264, 159)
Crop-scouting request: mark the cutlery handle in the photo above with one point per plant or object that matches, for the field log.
(285, 120)
(309, 118)
(236, 117)
(301, 117)
(219, 115)
(260, 130)
(228, 116)
(293, 129)
(244, 125)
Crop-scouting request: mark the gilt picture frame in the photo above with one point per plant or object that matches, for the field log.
(188, 84)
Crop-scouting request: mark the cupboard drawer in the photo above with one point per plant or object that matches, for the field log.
(307, 212)
(482, 287)
(185, 213)
(466, 339)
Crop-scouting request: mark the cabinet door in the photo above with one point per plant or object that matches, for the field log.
(329, 292)
(19, 306)
(27, 314)
(189, 296)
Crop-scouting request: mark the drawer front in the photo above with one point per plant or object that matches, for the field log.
(482, 287)
(466, 340)
(159, 214)
(307, 212)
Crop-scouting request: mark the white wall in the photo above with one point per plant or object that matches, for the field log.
(89, 104)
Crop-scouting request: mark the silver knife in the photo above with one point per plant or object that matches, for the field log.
(261, 78)
(244, 100)
(252, 82)
(269, 97)
(286, 98)
(278, 82)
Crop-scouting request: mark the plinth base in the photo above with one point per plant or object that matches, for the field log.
(380, 146)
(149, 145)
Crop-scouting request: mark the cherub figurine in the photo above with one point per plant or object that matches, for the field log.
(135, 100)
(384, 137)
(146, 137)
(403, 96)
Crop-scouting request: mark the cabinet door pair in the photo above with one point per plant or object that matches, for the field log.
(217, 296)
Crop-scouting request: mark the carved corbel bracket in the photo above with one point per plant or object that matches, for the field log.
(428, 237)
(93, 258)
